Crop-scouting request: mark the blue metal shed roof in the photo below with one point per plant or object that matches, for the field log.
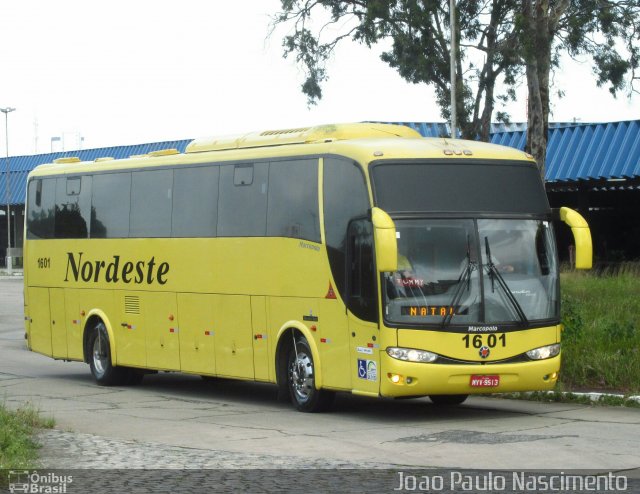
(20, 166)
(586, 151)
(441, 129)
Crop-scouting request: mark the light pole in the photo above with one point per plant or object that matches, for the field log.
(453, 59)
(6, 112)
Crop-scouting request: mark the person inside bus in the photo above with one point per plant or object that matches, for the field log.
(405, 282)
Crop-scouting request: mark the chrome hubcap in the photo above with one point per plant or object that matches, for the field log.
(301, 376)
(100, 354)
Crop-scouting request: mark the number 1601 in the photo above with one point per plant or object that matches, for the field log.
(477, 340)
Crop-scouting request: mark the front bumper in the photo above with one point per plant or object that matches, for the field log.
(420, 379)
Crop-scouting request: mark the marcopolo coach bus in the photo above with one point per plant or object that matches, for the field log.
(358, 257)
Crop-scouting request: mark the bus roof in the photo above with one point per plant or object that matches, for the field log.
(318, 134)
(363, 142)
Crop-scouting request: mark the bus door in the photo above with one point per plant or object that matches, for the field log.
(260, 341)
(58, 323)
(233, 336)
(197, 349)
(362, 309)
(75, 321)
(40, 322)
(162, 331)
(333, 340)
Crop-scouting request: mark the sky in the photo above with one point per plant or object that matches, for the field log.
(136, 71)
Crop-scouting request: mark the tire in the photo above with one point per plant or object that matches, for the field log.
(448, 400)
(302, 382)
(102, 369)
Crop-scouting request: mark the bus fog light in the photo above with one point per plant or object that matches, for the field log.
(411, 354)
(395, 378)
(544, 352)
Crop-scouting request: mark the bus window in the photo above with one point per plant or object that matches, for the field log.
(345, 198)
(41, 208)
(73, 207)
(151, 203)
(362, 287)
(237, 195)
(195, 201)
(110, 205)
(293, 200)
(243, 174)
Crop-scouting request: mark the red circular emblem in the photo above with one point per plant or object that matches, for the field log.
(484, 352)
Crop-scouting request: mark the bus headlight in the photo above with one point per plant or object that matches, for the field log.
(411, 354)
(544, 352)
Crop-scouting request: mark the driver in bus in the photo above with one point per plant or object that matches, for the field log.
(404, 282)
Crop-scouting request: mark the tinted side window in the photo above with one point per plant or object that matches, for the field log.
(361, 271)
(110, 205)
(345, 197)
(73, 207)
(293, 200)
(242, 208)
(151, 203)
(195, 201)
(41, 208)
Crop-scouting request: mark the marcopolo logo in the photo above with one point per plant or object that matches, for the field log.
(115, 270)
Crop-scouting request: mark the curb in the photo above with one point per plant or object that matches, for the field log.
(15, 274)
(593, 396)
(598, 396)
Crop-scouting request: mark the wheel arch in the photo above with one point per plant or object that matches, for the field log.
(285, 342)
(93, 317)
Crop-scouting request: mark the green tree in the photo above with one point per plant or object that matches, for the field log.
(498, 41)
(606, 31)
(420, 51)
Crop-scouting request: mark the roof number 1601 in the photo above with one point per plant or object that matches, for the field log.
(478, 340)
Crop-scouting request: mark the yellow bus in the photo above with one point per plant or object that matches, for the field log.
(357, 257)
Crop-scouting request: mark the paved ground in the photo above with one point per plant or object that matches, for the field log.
(73, 450)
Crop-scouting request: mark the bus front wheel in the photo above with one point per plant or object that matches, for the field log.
(104, 372)
(302, 382)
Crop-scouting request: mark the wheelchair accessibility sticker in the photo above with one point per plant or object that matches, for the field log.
(367, 369)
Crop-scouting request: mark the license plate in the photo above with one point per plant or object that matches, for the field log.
(484, 381)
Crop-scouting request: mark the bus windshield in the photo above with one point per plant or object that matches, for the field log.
(466, 271)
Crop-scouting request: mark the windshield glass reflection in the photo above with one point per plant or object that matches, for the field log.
(523, 253)
(434, 259)
(445, 275)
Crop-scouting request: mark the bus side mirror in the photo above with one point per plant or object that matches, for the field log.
(581, 236)
(384, 233)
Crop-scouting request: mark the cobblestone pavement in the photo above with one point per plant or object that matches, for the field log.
(85, 461)
(80, 463)
(72, 450)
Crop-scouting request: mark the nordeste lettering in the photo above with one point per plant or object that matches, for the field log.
(116, 270)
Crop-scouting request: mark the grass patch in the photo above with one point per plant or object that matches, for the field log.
(17, 446)
(601, 338)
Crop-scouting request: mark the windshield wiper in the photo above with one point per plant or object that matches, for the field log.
(495, 275)
(463, 279)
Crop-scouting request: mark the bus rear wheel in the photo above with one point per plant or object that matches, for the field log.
(104, 372)
(302, 382)
(444, 400)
